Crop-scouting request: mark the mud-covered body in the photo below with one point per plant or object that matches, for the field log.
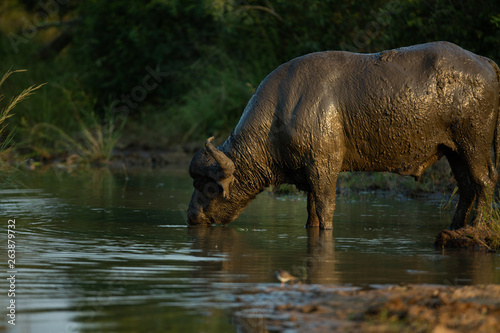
(397, 111)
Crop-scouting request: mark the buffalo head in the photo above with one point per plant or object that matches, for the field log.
(213, 175)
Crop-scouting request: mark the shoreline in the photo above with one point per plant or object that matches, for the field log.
(436, 181)
(406, 308)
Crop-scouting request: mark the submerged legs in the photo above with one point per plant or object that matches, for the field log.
(476, 178)
(321, 198)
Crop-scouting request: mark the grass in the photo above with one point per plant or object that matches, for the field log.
(5, 135)
(61, 119)
(484, 235)
(6, 111)
(451, 202)
(59, 122)
(488, 228)
(93, 143)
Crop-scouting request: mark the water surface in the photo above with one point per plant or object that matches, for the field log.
(105, 252)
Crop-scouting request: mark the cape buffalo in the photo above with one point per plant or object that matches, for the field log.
(317, 115)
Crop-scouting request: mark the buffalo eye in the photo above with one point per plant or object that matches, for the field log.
(207, 186)
(201, 182)
(198, 183)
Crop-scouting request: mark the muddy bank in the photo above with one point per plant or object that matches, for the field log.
(120, 159)
(477, 238)
(151, 159)
(411, 308)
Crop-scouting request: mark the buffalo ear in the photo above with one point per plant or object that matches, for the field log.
(225, 184)
(226, 165)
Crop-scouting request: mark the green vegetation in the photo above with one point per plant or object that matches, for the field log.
(485, 235)
(5, 138)
(491, 224)
(181, 71)
(159, 74)
(94, 144)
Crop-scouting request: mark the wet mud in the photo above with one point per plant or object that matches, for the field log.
(410, 308)
(475, 238)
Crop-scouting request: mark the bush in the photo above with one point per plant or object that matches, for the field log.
(472, 24)
(213, 53)
(118, 40)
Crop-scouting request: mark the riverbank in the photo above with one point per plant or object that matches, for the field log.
(316, 308)
(409, 308)
(436, 181)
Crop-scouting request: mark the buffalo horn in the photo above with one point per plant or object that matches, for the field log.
(225, 162)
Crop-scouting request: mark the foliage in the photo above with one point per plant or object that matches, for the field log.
(5, 113)
(471, 24)
(484, 234)
(209, 48)
(211, 54)
(117, 40)
(487, 230)
(93, 144)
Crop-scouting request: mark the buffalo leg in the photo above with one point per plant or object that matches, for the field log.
(466, 191)
(312, 219)
(476, 181)
(484, 177)
(321, 200)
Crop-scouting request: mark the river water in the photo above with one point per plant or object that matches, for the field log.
(98, 251)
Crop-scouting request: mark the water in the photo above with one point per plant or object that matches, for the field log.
(97, 252)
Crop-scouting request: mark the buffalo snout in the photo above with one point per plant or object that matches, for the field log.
(195, 214)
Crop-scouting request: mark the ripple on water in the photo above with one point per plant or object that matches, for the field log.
(100, 257)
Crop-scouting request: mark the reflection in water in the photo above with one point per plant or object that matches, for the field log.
(321, 257)
(100, 253)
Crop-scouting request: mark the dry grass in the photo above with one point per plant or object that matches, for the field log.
(6, 170)
(6, 112)
(94, 143)
(484, 235)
